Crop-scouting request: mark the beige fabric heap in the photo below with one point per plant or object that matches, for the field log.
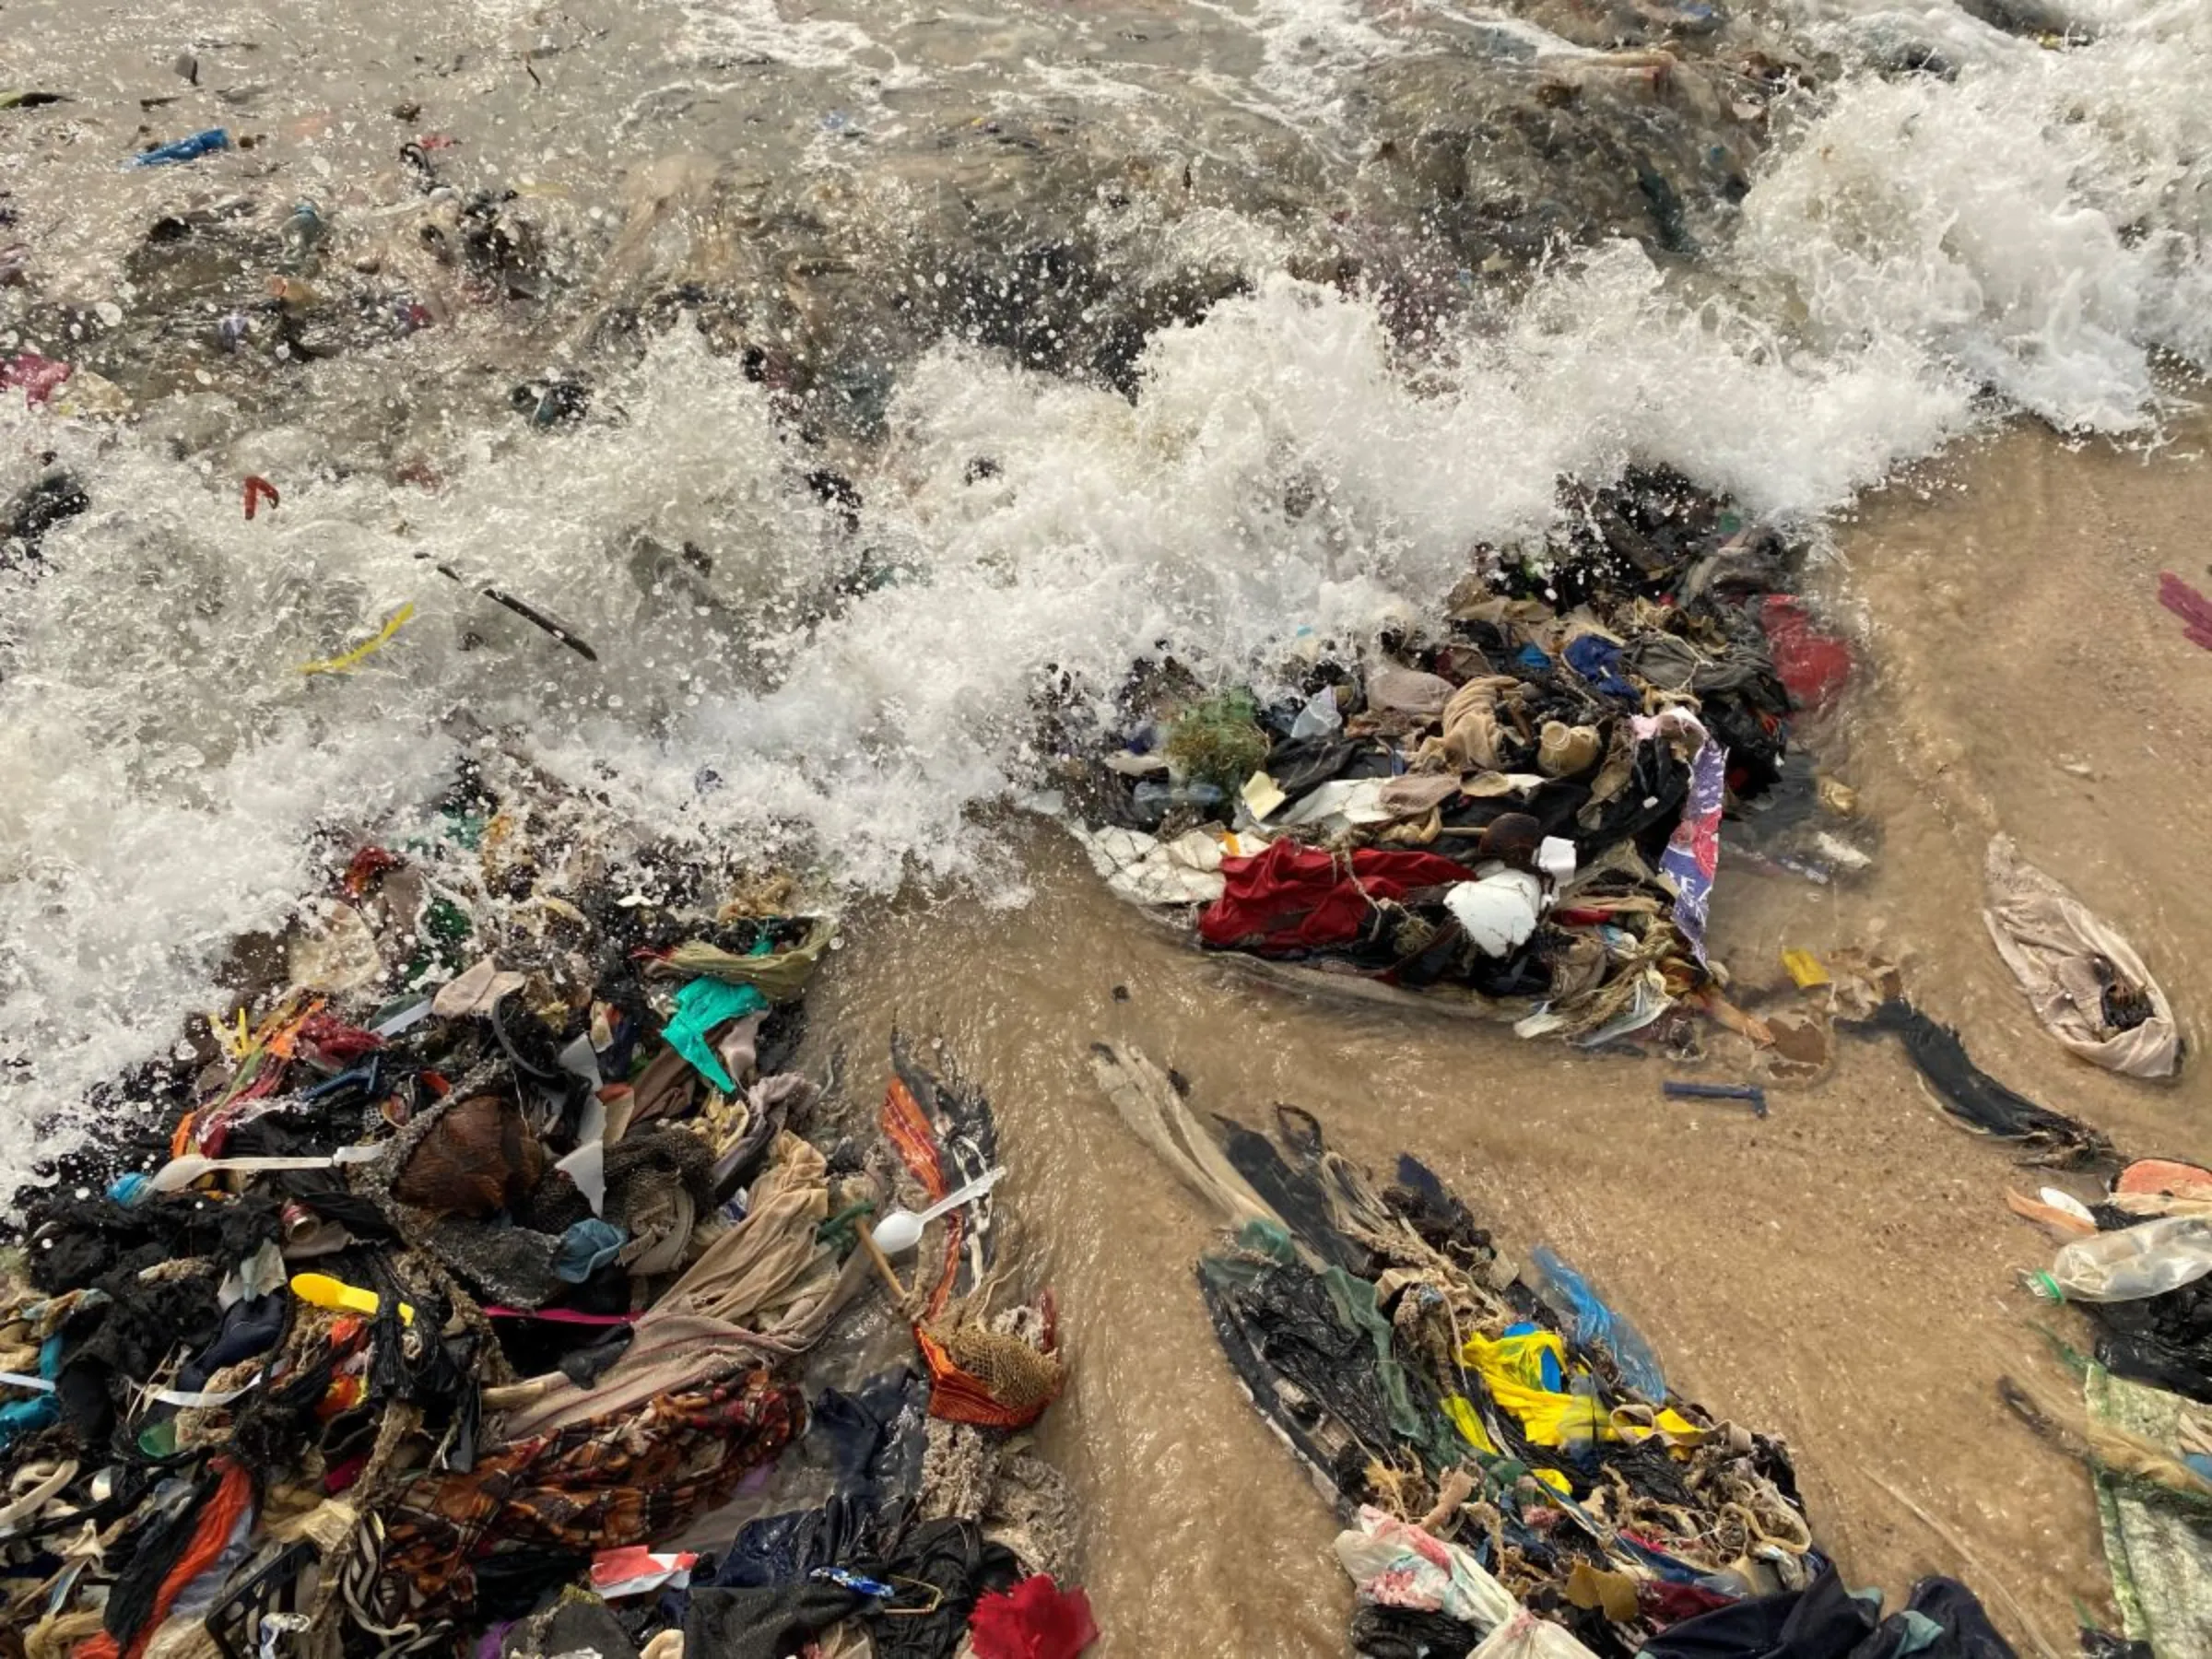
(780, 976)
(1407, 691)
(2068, 962)
(768, 1274)
(1472, 738)
(1149, 1104)
(1415, 793)
(670, 1352)
(1565, 750)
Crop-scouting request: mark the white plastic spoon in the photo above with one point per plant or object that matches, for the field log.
(900, 1229)
(180, 1172)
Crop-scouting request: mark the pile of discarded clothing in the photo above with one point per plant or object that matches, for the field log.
(1522, 817)
(1516, 1477)
(2138, 1261)
(475, 1288)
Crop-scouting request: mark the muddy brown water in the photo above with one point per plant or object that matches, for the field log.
(1844, 1273)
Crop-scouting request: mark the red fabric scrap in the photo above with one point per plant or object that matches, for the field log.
(365, 867)
(1036, 1619)
(1813, 663)
(2187, 603)
(1666, 1604)
(259, 490)
(1294, 898)
(39, 377)
(333, 1039)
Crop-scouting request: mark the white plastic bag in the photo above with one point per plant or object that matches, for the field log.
(1396, 1564)
(1524, 1636)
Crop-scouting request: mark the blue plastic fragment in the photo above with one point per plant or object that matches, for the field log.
(1566, 1293)
(184, 150)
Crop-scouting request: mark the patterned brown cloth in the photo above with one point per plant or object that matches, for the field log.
(626, 1476)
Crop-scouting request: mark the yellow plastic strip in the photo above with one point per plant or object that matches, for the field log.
(1804, 968)
(367, 649)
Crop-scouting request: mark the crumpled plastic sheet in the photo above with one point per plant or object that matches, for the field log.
(2065, 958)
(1397, 1564)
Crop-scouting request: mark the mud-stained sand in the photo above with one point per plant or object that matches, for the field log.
(1844, 1273)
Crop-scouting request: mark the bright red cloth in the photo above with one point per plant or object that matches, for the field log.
(1297, 897)
(1813, 665)
(1036, 1619)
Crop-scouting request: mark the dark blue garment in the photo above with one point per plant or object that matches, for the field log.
(876, 1435)
(1596, 659)
(249, 1328)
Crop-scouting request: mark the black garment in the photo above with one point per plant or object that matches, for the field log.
(574, 1624)
(127, 1340)
(867, 1428)
(2165, 1341)
(1647, 808)
(1301, 765)
(2144, 1359)
(584, 1366)
(1977, 1098)
(783, 1549)
(1822, 1621)
(154, 1548)
(1294, 1194)
(1427, 1206)
(1399, 1633)
(1313, 1378)
(249, 1328)
(510, 1583)
(765, 1623)
(73, 1242)
(876, 1436)
(953, 1558)
(329, 1198)
(1954, 1610)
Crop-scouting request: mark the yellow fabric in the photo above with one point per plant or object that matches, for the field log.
(1461, 1410)
(1511, 1368)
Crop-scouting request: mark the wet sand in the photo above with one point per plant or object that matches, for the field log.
(1843, 1274)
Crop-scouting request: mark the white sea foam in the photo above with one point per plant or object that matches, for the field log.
(2037, 224)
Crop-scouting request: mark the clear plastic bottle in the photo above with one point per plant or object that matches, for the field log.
(1320, 717)
(2132, 1263)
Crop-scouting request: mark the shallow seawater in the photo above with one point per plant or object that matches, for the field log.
(936, 357)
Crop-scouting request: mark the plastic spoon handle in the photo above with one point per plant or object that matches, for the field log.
(180, 1172)
(319, 1289)
(952, 1201)
(900, 1230)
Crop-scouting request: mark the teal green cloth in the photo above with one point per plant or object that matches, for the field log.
(701, 1007)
